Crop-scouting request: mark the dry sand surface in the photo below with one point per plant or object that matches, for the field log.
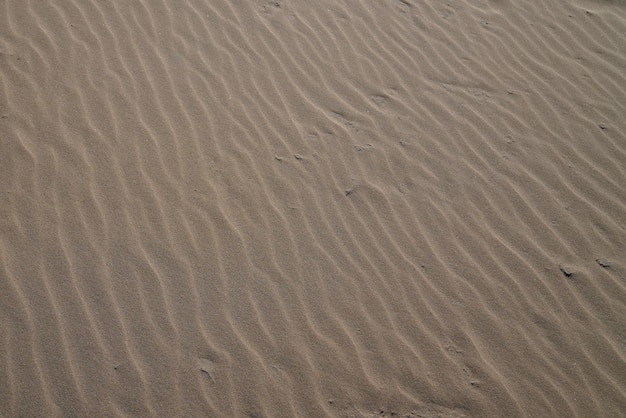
(295, 208)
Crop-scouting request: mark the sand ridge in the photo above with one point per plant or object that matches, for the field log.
(290, 208)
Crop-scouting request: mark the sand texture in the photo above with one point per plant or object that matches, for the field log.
(294, 208)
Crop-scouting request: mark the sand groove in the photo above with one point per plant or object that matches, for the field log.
(287, 208)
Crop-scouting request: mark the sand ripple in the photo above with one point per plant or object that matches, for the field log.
(289, 208)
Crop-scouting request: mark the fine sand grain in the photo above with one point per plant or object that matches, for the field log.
(342, 208)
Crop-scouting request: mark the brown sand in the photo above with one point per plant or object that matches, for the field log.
(313, 208)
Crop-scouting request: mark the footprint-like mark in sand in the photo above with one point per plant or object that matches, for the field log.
(366, 147)
(379, 99)
(208, 367)
(403, 6)
(354, 127)
(270, 7)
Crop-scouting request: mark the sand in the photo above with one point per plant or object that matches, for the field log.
(294, 208)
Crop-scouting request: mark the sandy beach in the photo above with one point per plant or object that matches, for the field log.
(290, 208)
